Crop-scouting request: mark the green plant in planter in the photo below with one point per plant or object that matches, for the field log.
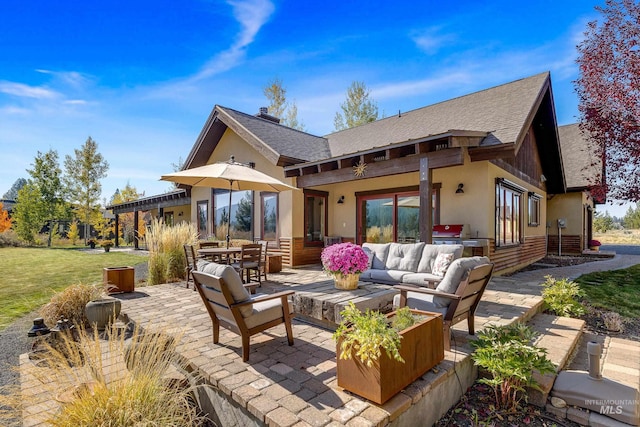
(560, 296)
(364, 334)
(507, 354)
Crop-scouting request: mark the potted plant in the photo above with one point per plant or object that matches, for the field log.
(379, 355)
(106, 244)
(345, 262)
(92, 243)
(594, 245)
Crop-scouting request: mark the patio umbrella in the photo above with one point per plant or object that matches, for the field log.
(232, 175)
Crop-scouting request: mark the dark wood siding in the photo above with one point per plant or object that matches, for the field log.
(510, 259)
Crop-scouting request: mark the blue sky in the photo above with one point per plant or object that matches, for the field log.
(141, 77)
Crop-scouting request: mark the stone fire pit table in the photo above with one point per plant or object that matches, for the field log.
(320, 303)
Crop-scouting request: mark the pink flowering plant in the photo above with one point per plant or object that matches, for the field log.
(594, 242)
(344, 258)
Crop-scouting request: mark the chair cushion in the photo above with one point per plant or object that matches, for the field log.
(430, 253)
(418, 301)
(380, 252)
(264, 312)
(404, 256)
(455, 274)
(232, 280)
(420, 279)
(441, 264)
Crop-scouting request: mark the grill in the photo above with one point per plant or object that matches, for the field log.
(450, 233)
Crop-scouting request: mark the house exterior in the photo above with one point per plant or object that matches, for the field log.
(489, 160)
(575, 208)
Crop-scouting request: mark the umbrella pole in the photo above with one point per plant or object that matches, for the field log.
(229, 215)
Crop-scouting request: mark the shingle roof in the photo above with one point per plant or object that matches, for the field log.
(502, 111)
(283, 140)
(582, 165)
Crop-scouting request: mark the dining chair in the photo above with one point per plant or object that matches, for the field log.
(249, 261)
(190, 256)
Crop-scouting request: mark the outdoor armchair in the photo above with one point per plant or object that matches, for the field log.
(230, 305)
(456, 296)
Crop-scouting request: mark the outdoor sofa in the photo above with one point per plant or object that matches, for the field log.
(408, 263)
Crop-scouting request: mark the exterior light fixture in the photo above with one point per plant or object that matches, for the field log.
(460, 190)
(341, 200)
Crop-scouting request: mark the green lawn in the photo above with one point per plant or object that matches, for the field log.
(617, 290)
(29, 276)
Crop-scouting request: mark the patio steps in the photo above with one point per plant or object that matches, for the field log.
(559, 336)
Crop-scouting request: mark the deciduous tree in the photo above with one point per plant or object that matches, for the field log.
(45, 175)
(279, 106)
(357, 109)
(82, 180)
(27, 213)
(5, 221)
(609, 95)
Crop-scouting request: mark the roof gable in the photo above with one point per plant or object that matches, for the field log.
(582, 165)
(279, 144)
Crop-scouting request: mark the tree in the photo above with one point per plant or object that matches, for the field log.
(279, 107)
(12, 194)
(45, 175)
(243, 214)
(602, 222)
(609, 95)
(357, 109)
(82, 180)
(5, 221)
(27, 213)
(632, 217)
(73, 232)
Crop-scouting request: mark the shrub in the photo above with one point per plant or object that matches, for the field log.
(166, 253)
(70, 304)
(613, 321)
(9, 238)
(560, 296)
(507, 354)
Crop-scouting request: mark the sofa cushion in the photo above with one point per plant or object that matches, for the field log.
(230, 276)
(380, 252)
(430, 253)
(420, 279)
(404, 256)
(456, 273)
(393, 276)
(440, 265)
(418, 301)
(366, 275)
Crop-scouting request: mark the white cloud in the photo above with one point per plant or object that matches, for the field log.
(429, 41)
(251, 15)
(26, 91)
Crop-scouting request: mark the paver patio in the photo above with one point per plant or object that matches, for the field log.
(296, 386)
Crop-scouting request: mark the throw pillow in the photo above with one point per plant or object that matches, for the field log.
(441, 264)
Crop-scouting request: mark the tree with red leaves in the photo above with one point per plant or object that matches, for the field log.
(609, 93)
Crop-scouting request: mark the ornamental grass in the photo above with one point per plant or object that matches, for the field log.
(121, 379)
(166, 254)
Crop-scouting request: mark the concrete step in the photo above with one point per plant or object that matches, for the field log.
(560, 336)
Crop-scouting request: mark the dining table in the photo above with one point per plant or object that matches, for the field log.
(221, 254)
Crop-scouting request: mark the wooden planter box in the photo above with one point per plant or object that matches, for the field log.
(119, 279)
(422, 348)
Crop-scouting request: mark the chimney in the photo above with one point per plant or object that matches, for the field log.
(264, 114)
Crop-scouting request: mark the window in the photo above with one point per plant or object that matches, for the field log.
(203, 217)
(508, 213)
(241, 214)
(534, 209)
(269, 203)
(315, 217)
(168, 218)
(393, 216)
